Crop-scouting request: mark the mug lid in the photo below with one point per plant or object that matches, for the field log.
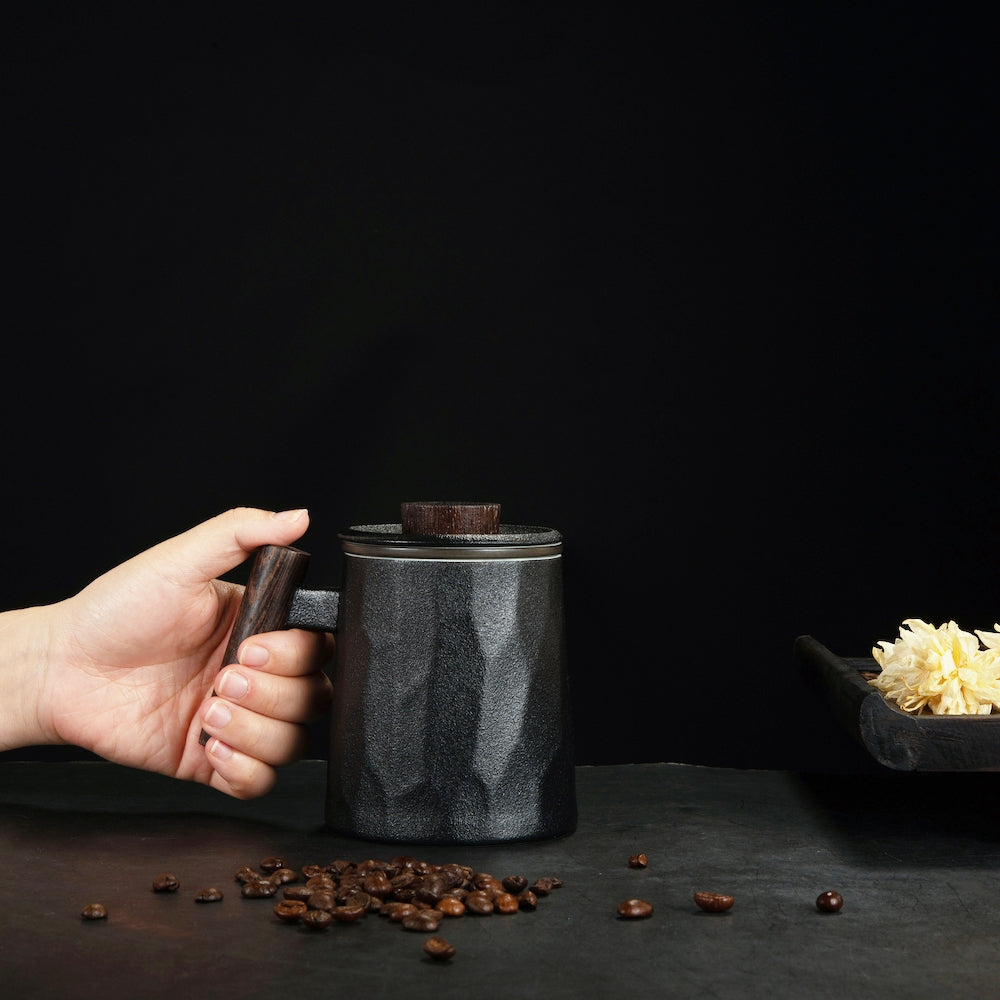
(507, 535)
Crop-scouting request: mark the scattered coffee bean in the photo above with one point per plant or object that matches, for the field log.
(94, 911)
(479, 903)
(350, 913)
(377, 884)
(396, 912)
(450, 906)
(713, 902)
(209, 895)
(316, 920)
(829, 902)
(543, 886)
(323, 899)
(414, 893)
(322, 881)
(527, 900)
(638, 861)
(357, 897)
(426, 921)
(165, 883)
(455, 875)
(515, 883)
(485, 882)
(439, 949)
(289, 910)
(635, 909)
(505, 902)
(261, 889)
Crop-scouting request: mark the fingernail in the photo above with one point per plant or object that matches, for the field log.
(254, 656)
(233, 684)
(220, 750)
(290, 515)
(218, 715)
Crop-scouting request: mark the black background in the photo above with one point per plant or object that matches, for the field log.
(711, 292)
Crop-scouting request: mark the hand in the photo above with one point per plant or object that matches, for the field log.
(133, 658)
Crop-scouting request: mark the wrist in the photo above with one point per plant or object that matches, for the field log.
(25, 655)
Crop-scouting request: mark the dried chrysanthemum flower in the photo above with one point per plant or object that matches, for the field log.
(940, 669)
(991, 640)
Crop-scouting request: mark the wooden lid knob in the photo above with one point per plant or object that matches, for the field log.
(446, 517)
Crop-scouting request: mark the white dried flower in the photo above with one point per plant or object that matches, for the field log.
(991, 640)
(942, 669)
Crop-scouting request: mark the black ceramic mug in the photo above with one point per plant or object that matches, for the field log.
(451, 718)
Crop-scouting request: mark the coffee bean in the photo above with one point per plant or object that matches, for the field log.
(543, 886)
(829, 902)
(426, 921)
(505, 902)
(635, 909)
(376, 883)
(431, 888)
(450, 906)
(479, 903)
(527, 900)
(322, 899)
(415, 893)
(261, 889)
(357, 897)
(713, 902)
(638, 861)
(515, 883)
(439, 949)
(404, 879)
(454, 875)
(321, 881)
(316, 920)
(94, 911)
(166, 883)
(397, 911)
(209, 895)
(485, 882)
(348, 914)
(289, 910)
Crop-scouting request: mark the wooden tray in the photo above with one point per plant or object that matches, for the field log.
(893, 737)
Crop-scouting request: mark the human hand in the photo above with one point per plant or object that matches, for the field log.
(133, 659)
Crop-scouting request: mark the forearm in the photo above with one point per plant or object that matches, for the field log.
(24, 653)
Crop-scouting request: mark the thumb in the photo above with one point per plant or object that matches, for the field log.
(222, 543)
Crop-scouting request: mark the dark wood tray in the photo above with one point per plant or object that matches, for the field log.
(895, 738)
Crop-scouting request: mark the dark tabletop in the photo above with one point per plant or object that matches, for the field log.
(915, 857)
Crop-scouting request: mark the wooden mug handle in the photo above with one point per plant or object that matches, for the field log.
(275, 576)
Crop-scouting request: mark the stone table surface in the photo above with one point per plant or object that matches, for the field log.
(915, 857)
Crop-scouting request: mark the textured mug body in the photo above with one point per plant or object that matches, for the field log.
(451, 720)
